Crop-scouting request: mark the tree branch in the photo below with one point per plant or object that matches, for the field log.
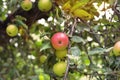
(68, 60)
(117, 12)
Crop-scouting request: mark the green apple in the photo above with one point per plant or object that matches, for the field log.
(12, 30)
(60, 68)
(38, 43)
(41, 77)
(61, 53)
(43, 58)
(44, 5)
(1, 49)
(116, 48)
(26, 5)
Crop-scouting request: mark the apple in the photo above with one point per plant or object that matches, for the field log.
(116, 48)
(59, 41)
(61, 53)
(43, 58)
(41, 77)
(1, 49)
(44, 5)
(59, 68)
(26, 5)
(38, 43)
(12, 30)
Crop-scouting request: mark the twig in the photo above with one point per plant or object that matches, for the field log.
(91, 62)
(90, 59)
(68, 60)
(115, 10)
(73, 27)
(98, 41)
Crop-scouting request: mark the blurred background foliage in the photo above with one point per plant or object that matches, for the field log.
(90, 52)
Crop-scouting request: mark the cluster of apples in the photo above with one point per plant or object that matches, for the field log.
(60, 43)
(43, 5)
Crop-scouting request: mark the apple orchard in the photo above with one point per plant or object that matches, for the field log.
(60, 40)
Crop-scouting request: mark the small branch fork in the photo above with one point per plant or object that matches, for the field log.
(115, 10)
(69, 46)
(89, 57)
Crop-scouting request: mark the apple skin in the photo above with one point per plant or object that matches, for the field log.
(26, 5)
(116, 48)
(61, 53)
(59, 68)
(38, 43)
(44, 5)
(59, 41)
(43, 58)
(1, 49)
(12, 30)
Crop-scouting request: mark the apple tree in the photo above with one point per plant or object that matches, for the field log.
(59, 39)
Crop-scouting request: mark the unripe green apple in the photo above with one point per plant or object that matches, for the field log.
(26, 5)
(41, 77)
(12, 30)
(59, 68)
(1, 49)
(59, 41)
(44, 5)
(43, 58)
(116, 48)
(38, 43)
(61, 53)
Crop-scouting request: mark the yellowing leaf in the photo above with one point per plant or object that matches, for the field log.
(66, 6)
(78, 4)
(82, 14)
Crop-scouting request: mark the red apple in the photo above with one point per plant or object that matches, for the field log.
(116, 48)
(59, 41)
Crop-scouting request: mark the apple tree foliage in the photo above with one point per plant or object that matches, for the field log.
(93, 27)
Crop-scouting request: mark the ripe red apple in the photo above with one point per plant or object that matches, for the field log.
(44, 5)
(116, 48)
(59, 41)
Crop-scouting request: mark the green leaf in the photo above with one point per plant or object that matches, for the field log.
(45, 46)
(75, 51)
(18, 17)
(20, 22)
(97, 51)
(96, 28)
(77, 39)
